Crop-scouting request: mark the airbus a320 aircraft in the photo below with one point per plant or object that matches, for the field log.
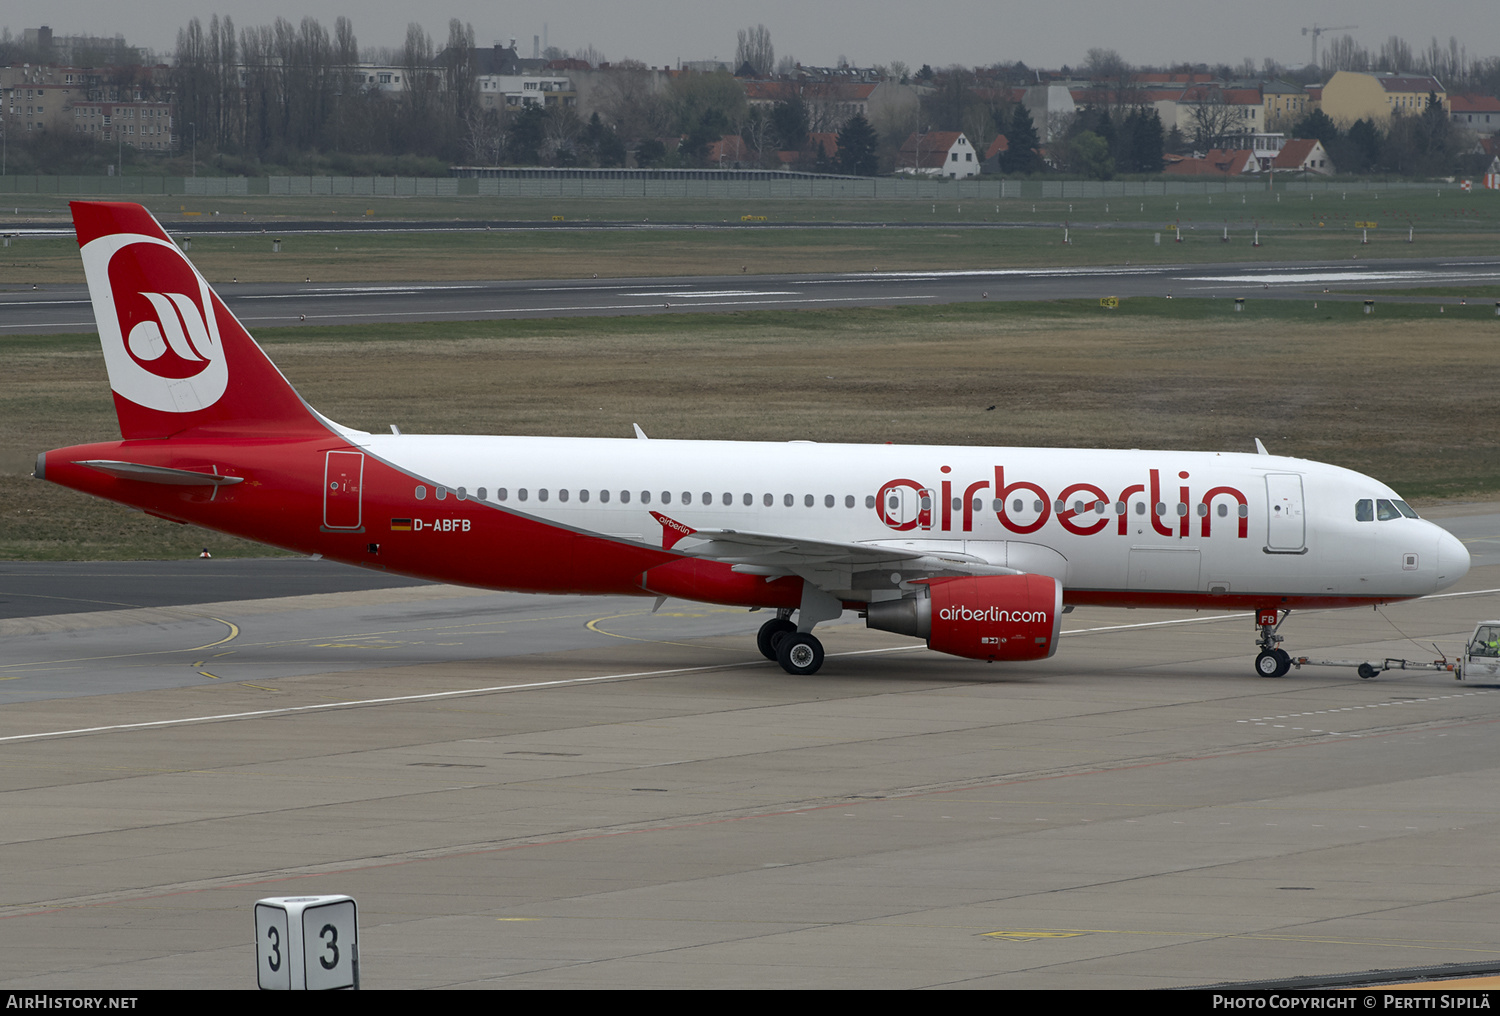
(975, 550)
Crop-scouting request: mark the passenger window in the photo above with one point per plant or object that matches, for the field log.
(562, 495)
(728, 499)
(521, 493)
(541, 494)
(807, 500)
(442, 493)
(666, 497)
(786, 499)
(604, 497)
(624, 497)
(583, 496)
(421, 492)
(501, 494)
(849, 502)
(480, 493)
(461, 493)
(1364, 510)
(749, 500)
(687, 498)
(708, 498)
(869, 500)
(645, 497)
(768, 500)
(827, 500)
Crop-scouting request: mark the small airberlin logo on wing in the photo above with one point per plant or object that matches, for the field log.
(156, 324)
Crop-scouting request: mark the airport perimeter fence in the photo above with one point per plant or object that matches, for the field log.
(626, 184)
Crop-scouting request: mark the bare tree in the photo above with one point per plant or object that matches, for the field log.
(1212, 119)
(460, 71)
(1344, 54)
(755, 49)
(1395, 55)
(1113, 80)
(630, 99)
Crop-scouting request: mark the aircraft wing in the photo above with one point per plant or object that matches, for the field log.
(830, 565)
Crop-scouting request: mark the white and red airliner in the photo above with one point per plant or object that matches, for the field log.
(975, 550)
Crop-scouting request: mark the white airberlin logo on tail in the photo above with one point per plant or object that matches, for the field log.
(189, 342)
(180, 321)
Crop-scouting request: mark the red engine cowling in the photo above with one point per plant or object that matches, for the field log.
(989, 617)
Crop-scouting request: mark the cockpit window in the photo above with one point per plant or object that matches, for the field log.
(1364, 510)
(1385, 510)
(1407, 510)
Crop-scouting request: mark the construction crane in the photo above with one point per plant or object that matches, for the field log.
(1317, 30)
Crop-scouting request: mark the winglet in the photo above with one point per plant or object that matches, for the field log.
(671, 530)
(1260, 448)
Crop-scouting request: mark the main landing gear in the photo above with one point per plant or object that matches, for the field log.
(1273, 661)
(799, 653)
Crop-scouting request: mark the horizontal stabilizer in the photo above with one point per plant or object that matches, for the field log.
(159, 474)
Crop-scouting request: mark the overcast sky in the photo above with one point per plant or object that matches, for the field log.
(1048, 33)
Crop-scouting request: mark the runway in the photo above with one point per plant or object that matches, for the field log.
(569, 792)
(66, 308)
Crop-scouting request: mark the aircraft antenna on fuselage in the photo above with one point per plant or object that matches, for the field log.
(1260, 448)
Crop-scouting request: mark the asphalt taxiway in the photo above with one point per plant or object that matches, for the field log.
(66, 308)
(561, 791)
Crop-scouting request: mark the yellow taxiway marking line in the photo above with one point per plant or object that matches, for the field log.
(234, 633)
(593, 626)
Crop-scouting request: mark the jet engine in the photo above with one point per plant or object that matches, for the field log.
(987, 617)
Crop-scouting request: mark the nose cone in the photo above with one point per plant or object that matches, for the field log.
(1452, 560)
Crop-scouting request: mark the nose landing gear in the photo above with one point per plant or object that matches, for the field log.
(1273, 661)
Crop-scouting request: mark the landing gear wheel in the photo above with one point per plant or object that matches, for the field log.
(1273, 663)
(1366, 671)
(767, 637)
(799, 654)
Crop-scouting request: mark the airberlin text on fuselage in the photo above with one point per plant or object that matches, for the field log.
(945, 510)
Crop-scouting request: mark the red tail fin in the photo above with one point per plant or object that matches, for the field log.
(177, 357)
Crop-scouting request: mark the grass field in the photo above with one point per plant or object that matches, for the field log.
(1404, 394)
(798, 236)
(551, 253)
(1441, 206)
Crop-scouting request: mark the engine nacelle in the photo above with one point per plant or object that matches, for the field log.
(988, 617)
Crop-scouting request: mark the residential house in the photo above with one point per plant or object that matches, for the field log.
(938, 153)
(1303, 155)
(1479, 113)
(1217, 162)
(991, 161)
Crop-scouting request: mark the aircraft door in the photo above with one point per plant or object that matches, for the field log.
(904, 506)
(343, 476)
(1286, 526)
